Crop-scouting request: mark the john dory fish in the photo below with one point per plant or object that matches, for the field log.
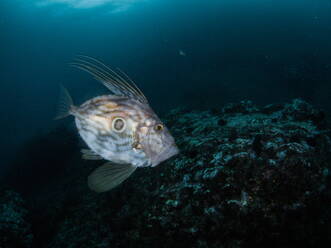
(120, 127)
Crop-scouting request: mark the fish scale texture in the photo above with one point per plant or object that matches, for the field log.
(246, 176)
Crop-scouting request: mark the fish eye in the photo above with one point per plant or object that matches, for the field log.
(158, 127)
(118, 124)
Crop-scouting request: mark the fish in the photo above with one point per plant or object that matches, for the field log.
(181, 53)
(119, 127)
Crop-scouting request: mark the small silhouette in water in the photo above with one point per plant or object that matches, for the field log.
(181, 53)
(121, 127)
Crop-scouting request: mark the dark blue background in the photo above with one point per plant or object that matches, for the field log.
(263, 50)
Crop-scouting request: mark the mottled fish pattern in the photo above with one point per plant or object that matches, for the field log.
(120, 127)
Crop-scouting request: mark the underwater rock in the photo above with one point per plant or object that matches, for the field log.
(15, 231)
(83, 226)
(249, 181)
(245, 176)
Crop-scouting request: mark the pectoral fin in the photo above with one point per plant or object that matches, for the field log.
(90, 155)
(108, 176)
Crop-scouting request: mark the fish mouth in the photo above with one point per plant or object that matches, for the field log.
(167, 153)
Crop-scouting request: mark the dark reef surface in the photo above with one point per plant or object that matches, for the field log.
(246, 176)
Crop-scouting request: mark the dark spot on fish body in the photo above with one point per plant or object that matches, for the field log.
(118, 124)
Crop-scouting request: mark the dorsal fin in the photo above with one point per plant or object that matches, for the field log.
(117, 82)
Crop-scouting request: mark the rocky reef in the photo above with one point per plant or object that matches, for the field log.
(246, 175)
(15, 230)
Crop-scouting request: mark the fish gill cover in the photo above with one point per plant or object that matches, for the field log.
(249, 172)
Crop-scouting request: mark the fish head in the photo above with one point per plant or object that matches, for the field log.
(156, 141)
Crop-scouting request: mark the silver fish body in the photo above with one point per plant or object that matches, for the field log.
(139, 143)
(121, 128)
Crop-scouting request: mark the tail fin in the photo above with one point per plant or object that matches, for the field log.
(64, 105)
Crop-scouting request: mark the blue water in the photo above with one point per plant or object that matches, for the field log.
(200, 54)
(192, 54)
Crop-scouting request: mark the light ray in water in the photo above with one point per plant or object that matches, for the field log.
(84, 4)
